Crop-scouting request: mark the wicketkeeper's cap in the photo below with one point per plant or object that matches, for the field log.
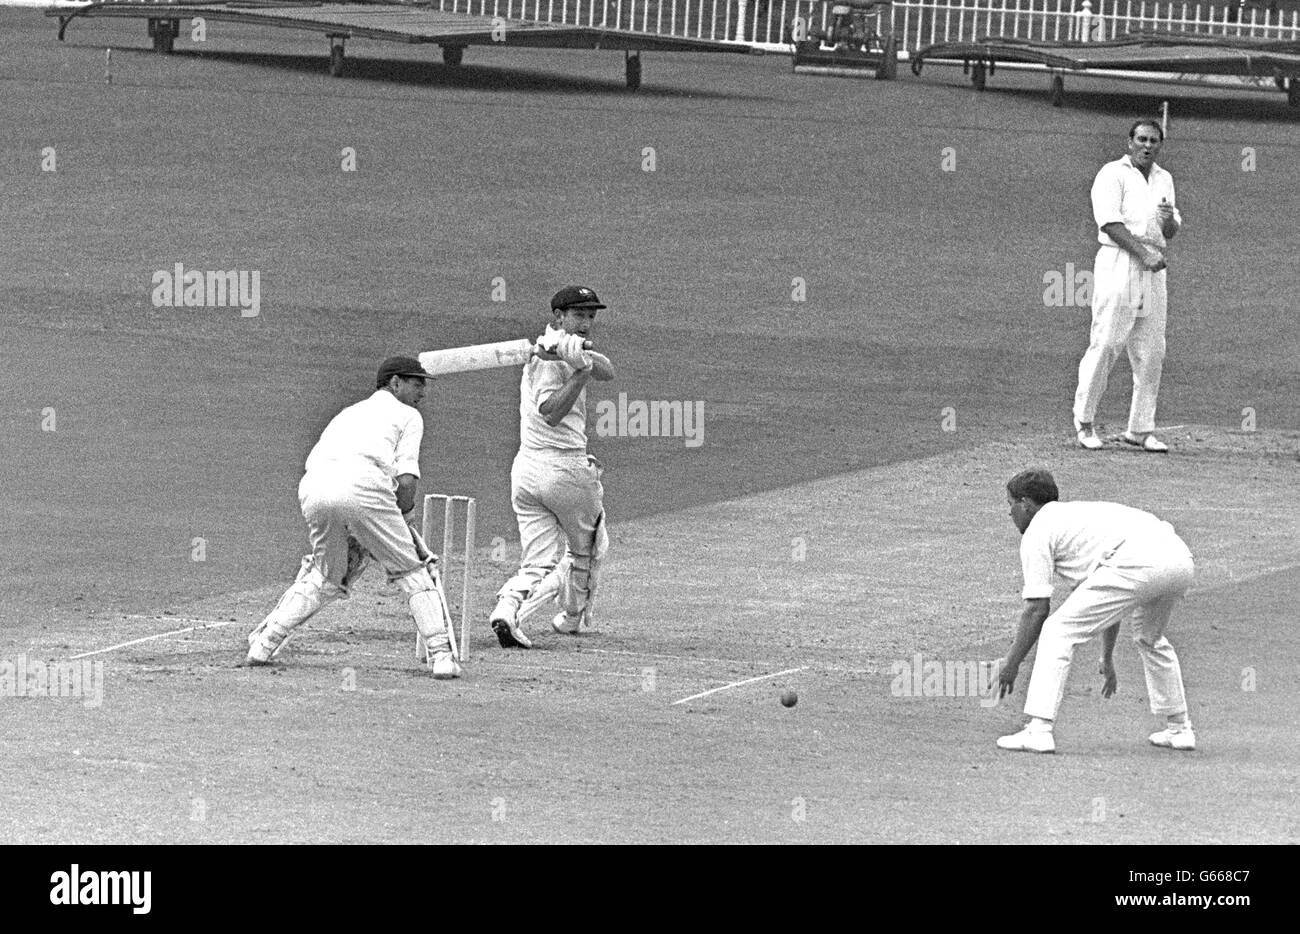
(399, 366)
(575, 296)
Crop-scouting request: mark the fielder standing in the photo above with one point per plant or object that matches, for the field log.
(1120, 561)
(1133, 205)
(360, 479)
(555, 486)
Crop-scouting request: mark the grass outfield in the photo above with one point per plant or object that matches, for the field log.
(824, 423)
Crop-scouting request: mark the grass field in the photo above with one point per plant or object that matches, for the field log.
(828, 525)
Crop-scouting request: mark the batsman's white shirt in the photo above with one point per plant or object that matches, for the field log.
(370, 443)
(1071, 539)
(540, 380)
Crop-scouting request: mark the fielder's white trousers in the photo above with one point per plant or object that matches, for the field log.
(557, 497)
(1127, 583)
(1128, 311)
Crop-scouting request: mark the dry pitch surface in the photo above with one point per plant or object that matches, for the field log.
(828, 526)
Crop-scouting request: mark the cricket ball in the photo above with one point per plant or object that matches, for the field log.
(789, 698)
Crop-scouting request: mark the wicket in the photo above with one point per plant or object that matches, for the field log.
(448, 542)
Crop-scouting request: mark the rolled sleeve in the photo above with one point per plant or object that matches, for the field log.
(1037, 564)
(406, 458)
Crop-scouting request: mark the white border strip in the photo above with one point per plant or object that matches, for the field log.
(208, 624)
(736, 684)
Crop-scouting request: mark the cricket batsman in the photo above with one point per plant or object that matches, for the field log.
(359, 484)
(555, 486)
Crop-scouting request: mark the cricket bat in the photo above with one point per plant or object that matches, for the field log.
(480, 356)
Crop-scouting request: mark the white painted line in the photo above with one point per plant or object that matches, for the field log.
(736, 684)
(211, 624)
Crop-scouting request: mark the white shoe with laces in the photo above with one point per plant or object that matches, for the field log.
(505, 623)
(567, 625)
(444, 666)
(1028, 740)
(1087, 436)
(1173, 736)
(1148, 442)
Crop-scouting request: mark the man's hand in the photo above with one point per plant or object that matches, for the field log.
(1152, 260)
(1165, 215)
(1110, 683)
(1006, 682)
(572, 351)
(549, 340)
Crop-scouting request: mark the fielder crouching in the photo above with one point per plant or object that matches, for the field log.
(360, 481)
(1121, 562)
(555, 486)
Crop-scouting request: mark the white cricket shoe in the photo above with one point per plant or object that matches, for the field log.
(1148, 442)
(444, 666)
(1028, 740)
(1170, 738)
(1087, 436)
(264, 643)
(505, 623)
(567, 625)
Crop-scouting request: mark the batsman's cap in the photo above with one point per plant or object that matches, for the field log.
(399, 366)
(575, 296)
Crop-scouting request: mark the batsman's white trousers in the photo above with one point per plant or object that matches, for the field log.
(334, 506)
(558, 498)
(1143, 580)
(1128, 311)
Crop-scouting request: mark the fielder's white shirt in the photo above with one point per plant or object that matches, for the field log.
(370, 443)
(1121, 193)
(1070, 539)
(541, 379)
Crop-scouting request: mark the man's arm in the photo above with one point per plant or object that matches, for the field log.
(1150, 258)
(561, 401)
(1032, 618)
(1107, 668)
(1169, 222)
(406, 492)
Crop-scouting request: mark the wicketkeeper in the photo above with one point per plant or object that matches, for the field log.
(555, 485)
(360, 482)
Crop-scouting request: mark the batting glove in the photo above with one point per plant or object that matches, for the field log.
(572, 352)
(550, 340)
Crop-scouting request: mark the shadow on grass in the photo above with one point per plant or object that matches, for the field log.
(472, 77)
(1243, 105)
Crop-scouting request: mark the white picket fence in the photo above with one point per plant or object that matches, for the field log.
(769, 24)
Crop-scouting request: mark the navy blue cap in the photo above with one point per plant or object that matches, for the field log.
(575, 296)
(399, 366)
